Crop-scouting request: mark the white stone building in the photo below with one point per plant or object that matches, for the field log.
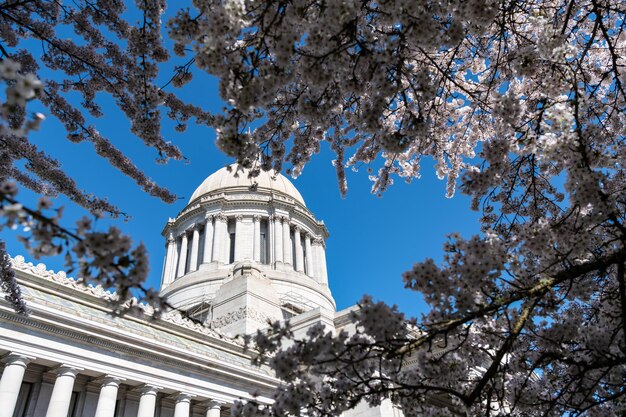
(240, 253)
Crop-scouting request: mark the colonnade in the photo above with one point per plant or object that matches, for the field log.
(59, 403)
(283, 242)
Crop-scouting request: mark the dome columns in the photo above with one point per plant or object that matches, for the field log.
(207, 256)
(221, 241)
(287, 255)
(195, 244)
(239, 238)
(319, 256)
(299, 251)
(278, 238)
(182, 257)
(309, 258)
(170, 261)
(271, 240)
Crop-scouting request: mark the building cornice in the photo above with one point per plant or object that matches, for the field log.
(62, 286)
(48, 321)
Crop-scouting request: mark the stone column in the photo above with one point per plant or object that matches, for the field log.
(11, 382)
(183, 405)
(309, 255)
(62, 391)
(182, 258)
(322, 265)
(220, 249)
(278, 239)
(195, 243)
(239, 240)
(316, 247)
(299, 254)
(108, 397)
(287, 256)
(147, 401)
(214, 409)
(170, 259)
(256, 245)
(207, 256)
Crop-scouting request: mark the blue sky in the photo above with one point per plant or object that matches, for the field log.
(372, 239)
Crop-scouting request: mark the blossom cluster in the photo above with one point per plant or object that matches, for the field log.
(102, 258)
(68, 76)
(521, 106)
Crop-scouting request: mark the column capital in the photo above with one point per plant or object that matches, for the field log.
(66, 370)
(296, 228)
(170, 238)
(209, 217)
(182, 397)
(221, 217)
(108, 380)
(183, 234)
(239, 217)
(256, 218)
(148, 389)
(215, 404)
(317, 241)
(14, 358)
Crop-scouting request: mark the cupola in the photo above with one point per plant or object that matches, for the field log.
(245, 250)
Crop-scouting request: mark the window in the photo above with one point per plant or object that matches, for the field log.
(231, 256)
(231, 236)
(265, 259)
(23, 398)
(188, 261)
(201, 236)
(263, 248)
(179, 247)
(200, 313)
(292, 240)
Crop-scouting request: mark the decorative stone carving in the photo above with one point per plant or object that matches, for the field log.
(239, 217)
(240, 314)
(221, 217)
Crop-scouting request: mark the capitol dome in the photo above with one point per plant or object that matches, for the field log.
(244, 251)
(229, 179)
